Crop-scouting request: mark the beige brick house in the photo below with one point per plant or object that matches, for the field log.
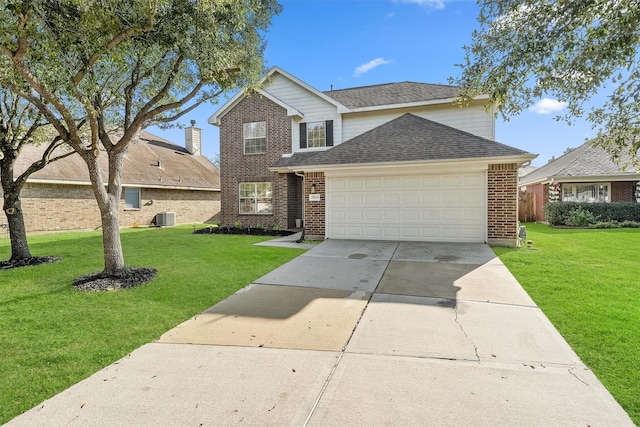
(158, 177)
(396, 161)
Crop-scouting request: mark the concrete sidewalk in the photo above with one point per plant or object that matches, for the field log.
(353, 333)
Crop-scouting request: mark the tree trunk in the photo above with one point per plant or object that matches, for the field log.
(113, 257)
(17, 231)
(109, 203)
(13, 209)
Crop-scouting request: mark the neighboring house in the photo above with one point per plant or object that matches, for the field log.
(584, 174)
(395, 161)
(157, 176)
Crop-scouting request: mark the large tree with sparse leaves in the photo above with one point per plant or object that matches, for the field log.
(121, 66)
(22, 125)
(570, 50)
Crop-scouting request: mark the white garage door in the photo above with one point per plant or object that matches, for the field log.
(443, 207)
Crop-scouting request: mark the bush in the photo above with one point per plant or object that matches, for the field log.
(580, 218)
(559, 213)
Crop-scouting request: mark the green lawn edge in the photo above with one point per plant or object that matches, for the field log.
(586, 283)
(53, 336)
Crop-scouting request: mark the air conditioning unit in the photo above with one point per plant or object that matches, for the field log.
(165, 219)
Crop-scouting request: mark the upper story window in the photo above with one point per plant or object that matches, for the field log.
(254, 135)
(590, 193)
(316, 134)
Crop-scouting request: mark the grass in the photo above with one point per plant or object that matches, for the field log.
(587, 283)
(52, 336)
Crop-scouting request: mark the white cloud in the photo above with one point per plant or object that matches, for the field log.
(432, 4)
(370, 66)
(548, 106)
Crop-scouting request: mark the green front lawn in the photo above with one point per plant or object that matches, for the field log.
(587, 282)
(52, 336)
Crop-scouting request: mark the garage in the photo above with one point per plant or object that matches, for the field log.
(411, 206)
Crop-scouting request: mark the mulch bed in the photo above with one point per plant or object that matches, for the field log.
(130, 278)
(26, 262)
(252, 231)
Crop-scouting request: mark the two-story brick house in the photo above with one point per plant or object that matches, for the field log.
(396, 161)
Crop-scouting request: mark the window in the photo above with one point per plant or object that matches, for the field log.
(316, 134)
(131, 198)
(590, 193)
(255, 137)
(256, 198)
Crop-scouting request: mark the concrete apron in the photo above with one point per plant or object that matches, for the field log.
(353, 333)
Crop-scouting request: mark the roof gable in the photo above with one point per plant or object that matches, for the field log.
(214, 119)
(408, 138)
(588, 160)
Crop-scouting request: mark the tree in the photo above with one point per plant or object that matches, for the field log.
(20, 125)
(122, 66)
(568, 49)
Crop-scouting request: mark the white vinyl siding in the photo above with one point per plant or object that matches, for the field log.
(315, 109)
(472, 119)
(429, 207)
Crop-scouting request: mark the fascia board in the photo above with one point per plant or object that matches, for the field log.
(215, 117)
(341, 108)
(582, 178)
(291, 111)
(478, 163)
(88, 184)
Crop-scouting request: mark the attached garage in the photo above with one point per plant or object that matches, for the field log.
(407, 206)
(411, 179)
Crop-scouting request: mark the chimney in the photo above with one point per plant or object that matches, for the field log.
(193, 139)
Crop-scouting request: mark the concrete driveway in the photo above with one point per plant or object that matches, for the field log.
(353, 333)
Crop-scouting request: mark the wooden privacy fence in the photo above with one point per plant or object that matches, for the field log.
(526, 207)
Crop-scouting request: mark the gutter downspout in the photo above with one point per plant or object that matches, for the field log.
(301, 175)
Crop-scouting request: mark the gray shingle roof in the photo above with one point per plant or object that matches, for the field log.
(408, 138)
(586, 160)
(140, 165)
(392, 93)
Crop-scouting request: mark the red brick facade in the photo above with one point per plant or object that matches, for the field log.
(314, 211)
(502, 204)
(53, 207)
(623, 191)
(237, 167)
(620, 191)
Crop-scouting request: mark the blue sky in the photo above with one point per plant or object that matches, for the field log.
(350, 43)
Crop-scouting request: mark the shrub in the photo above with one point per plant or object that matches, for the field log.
(580, 218)
(558, 213)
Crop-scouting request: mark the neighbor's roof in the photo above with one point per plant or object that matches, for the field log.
(408, 138)
(392, 93)
(586, 161)
(177, 167)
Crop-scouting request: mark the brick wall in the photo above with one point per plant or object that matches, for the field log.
(236, 167)
(623, 191)
(502, 206)
(314, 212)
(53, 207)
